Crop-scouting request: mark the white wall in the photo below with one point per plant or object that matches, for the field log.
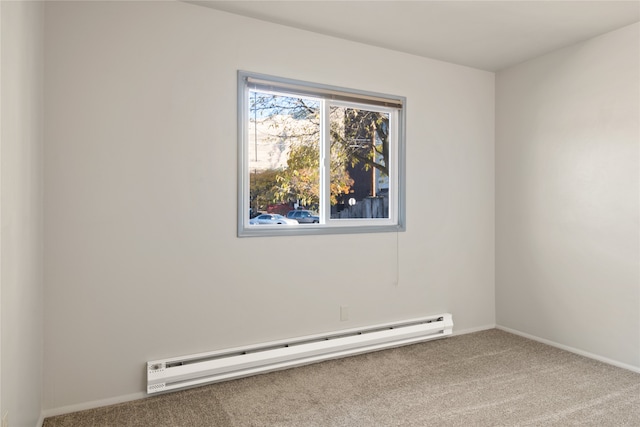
(141, 257)
(21, 211)
(567, 210)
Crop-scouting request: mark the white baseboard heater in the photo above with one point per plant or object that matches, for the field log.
(204, 368)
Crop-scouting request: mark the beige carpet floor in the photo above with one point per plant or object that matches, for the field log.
(488, 378)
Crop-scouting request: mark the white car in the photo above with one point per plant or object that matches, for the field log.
(272, 219)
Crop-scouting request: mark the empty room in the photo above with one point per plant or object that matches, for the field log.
(319, 213)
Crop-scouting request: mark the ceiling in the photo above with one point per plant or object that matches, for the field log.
(489, 35)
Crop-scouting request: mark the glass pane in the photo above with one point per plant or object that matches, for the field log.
(284, 153)
(359, 163)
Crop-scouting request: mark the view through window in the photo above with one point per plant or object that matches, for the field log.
(318, 158)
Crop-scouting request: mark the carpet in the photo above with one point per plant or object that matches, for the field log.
(488, 378)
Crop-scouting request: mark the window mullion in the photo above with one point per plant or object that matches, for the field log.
(325, 163)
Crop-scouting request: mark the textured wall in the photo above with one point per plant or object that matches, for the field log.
(567, 210)
(21, 212)
(142, 259)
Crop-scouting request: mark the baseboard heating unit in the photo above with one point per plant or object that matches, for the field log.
(204, 368)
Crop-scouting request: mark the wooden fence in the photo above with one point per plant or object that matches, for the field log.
(369, 207)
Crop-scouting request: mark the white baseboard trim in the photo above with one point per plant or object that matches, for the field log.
(136, 396)
(41, 420)
(92, 405)
(571, 349)
(472, 330)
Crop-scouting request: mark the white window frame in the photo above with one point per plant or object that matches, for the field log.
(330, 95)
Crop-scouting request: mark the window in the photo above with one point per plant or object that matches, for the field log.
(322, 159)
